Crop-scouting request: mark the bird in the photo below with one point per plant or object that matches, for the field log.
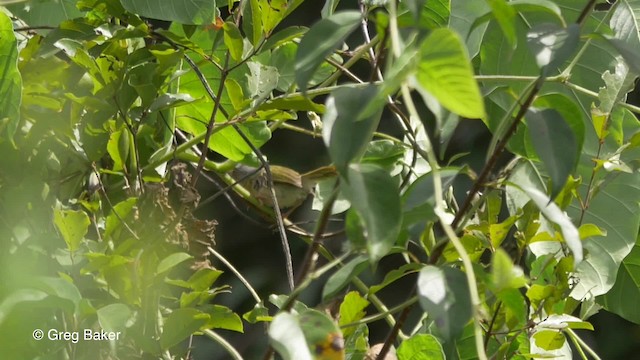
(291, 187)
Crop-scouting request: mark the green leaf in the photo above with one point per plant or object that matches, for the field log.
(549, 340)
(223, 318)
(233, 40)
(463, 16)
(415, 6)
(73, 226)
(197, 12)
(168, 101)
(322, 334)
(505, 15)
(418, 200)
(114, 317)
(18, 297)
(614, 209)
(10, 81)
(421, 347)
(180, 324)
(171, 261)
(321, 40)
(283, 36)
(504, 274)
(118, 214)
(552, 44)
(394, 275)
(273, 11)
(45, 12)
(445, 73)
(262, 81)
(342, 277)
(444, 295)
(626, 287)
(59, 287)
(346, 129)
(352, 309)
(554, 214)
(203, 279)
(287, 338)
(373, 194)
(625, 24)
(555, 144)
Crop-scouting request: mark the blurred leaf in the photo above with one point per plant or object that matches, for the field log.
(321, 40)
(171, 261)
(322, 334)
(444, 295)
(421, 347)
(627, 286)
(555, 144)
(346, 129)
(394, 275)
(45, 12)
(343, 276)
(180, 324)
(287, 337)
(10, 81)
(73, 226)
(552, 44)
(418, 200)
(504, 274)
(114, 317)
(554, 214)
(373, 194)
(167, 101)
(203, 279)
(445, 72)
(197, 12)
(505, 15)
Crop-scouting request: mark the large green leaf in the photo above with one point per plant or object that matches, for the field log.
(614, 209)
(10, 81)
(73, 225)
(463, 15)
(321, 40)
(621, 298)
(445, 72)
(552, 44)
(346, 129)
(183, 11)
(374, 195)
(45, 12)
(180, 324)
(555, 144)
(421, 347)
(444, 295)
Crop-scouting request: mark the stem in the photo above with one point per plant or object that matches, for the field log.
(244, 281)
(220, 340)
(581, 344)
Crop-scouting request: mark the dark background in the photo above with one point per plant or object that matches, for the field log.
(255, 250)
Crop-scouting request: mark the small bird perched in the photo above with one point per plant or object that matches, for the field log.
(291, 187)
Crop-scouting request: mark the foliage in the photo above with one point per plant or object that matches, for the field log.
(110, 118)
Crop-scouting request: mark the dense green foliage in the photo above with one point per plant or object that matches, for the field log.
(114, 112)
